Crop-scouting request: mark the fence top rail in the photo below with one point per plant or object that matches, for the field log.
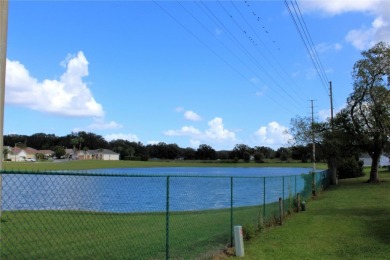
(135, 175)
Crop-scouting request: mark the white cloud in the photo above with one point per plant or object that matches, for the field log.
(363, 37)
(184, 131)
(128, 137)
(335, 7)
(273, 135)
(68, 96)
(100, 124)
(323, 47)
(191, 115)
(218, 132)
(216, 135)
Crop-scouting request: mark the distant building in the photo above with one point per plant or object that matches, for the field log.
(98, 154)
(17, 154)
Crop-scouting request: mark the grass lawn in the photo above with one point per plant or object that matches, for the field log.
(92, 235)
(100, 164)
(348, 221)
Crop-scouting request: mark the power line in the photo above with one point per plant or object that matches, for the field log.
(258, 64)
(310, 48)
(283, 75)
(312, 44)
(214, 52)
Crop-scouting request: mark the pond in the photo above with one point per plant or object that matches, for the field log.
(149, 189)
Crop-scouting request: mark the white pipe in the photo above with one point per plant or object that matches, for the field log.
(239, 241)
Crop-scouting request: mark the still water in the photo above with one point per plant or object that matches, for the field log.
(150, 190)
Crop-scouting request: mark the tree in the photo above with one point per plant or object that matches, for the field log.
(301, 152)
(302, 129)
(340, 149)
(189, 153)
(59, 151)
(259, 157)
(241, 151)
(368, 107)
(268, 152)
(283, 153)
(206, 152)
(77, 139)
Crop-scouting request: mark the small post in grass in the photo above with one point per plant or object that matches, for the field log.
(281, 210)
(298, 202)
(239, 241)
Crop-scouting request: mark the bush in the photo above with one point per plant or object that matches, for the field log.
(350, 168)
(249, 231)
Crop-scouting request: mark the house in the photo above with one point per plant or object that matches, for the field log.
(383, 161)
(17, 154)
(107, 155)
(98, 154)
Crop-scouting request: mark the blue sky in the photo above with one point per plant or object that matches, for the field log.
(191, 73)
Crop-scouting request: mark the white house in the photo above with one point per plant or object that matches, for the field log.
(108, 155)
(98, 154)
(383, 161)
(17, 154)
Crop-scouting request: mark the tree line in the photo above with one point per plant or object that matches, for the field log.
(138, 151)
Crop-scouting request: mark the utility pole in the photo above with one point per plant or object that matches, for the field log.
(313, 188)
(3, 56)
(332, 163)
(313, 136)
(331, 104)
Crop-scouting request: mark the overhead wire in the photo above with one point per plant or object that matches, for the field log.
(284, 75)
(310, 48)
(214, 18)
(265, 71)
(311, 41)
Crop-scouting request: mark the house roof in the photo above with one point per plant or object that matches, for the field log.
(29, 150)
(104, 151)
(96, 151)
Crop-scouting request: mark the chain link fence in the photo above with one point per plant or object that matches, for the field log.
(65, 215)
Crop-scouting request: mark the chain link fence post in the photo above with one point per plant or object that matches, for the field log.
(264, 199)
(167, 221)
(231, 211)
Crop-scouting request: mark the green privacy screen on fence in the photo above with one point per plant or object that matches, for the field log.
(120, 216)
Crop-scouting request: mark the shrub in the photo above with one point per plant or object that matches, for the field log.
(249, 231)
(350, 168)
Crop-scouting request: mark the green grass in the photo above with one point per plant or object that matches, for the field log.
(348, 221)
(99, 164)
(75, 234)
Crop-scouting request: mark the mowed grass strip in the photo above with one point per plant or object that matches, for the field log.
(100, 164)
(348, 221)
(78, 234)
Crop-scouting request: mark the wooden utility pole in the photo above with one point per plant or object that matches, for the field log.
(331, 104)
(313, 191)
(313, 136)
(332, 161)
(3, 56)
